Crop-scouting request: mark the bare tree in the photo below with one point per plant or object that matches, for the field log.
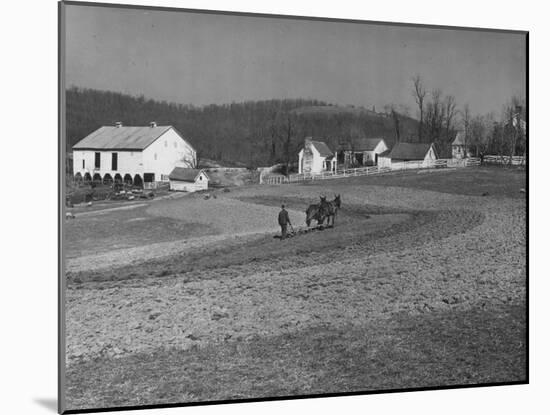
(466, 119)
(419, 94)
(513, 130)
(284, 129)
(390, 109)
(435, 116)
(450, 112)
(480, 133)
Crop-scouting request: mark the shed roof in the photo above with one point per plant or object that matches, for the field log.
(460, 139)
(362, 144)
(121, 138)
(186, 174)
(410, 151)
(322, 148)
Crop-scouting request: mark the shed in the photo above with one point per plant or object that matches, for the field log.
(402, 152)
(459, 146)
(361, 151)
(384, 159)
(188, 180)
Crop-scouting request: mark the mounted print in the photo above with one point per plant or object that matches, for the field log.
(256, 207)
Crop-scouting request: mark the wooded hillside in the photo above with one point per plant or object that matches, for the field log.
(255, 133)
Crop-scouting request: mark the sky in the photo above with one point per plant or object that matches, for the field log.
(200, 59)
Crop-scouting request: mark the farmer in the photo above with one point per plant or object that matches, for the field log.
(284, 221)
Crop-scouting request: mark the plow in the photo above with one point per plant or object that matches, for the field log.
(302, 230)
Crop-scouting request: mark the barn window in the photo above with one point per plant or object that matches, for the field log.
(155, 156)
(200, 177)
(97, 160)
(83, 163)
(175, 144)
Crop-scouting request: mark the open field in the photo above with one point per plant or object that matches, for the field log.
(421, 283)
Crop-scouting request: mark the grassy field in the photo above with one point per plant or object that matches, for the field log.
(497, 181)
(420, 283)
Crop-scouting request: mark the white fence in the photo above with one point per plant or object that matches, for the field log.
(516, 160)
(367, 171)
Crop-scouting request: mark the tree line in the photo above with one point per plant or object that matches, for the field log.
(261, 133)
(440, 119)
(252, 133)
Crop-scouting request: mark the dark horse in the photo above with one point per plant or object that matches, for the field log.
(323, 210)
(317, 212)
(331, 208)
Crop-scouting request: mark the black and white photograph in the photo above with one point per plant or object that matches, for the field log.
(257, 207)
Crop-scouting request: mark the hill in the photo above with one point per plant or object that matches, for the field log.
(252, 133)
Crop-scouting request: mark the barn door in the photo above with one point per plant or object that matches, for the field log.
(114, 161)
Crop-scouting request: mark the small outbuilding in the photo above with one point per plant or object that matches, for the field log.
(316, 157)
(188, 180)
(459, 147)
(403, 152)
(384, 159)
(361, 152)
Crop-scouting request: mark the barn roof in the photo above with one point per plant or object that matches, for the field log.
(185, 174)
(362, 144)
(121, 138)
(460, 139)
(322, 148)
(410, 151)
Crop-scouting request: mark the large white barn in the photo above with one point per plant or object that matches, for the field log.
(134, 155)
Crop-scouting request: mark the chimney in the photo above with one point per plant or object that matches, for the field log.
(152, 124)
(118, 124)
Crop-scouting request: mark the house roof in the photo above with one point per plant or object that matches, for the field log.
(410, 151)
(362, 144)
(385, 153)
(322, 148)
(460, 139)
(186, 174)
(121, 138)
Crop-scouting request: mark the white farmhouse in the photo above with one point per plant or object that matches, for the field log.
(135, 155)
(316, 157)
(188, 180)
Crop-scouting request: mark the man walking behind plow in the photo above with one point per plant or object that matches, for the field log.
(284, 221)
